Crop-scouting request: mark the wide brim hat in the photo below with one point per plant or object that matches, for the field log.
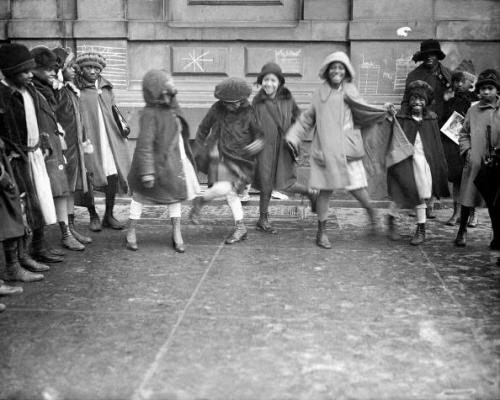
(488, 77)
(91, 59)
(430, 46)
(232, 90)
(44, 57)
(338, 56)
(422, 89)
(271, 68)
(15, 58)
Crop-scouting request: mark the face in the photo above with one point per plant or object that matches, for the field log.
(488, 93)
(69, 72)
(46, 74)
(21, 79)
(336, 73)
(91, 73)
(417, 104)
(431, 60)
(463, 85)
(270, 84)
(232, 106)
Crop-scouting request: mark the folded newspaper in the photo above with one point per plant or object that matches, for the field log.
(453, 126)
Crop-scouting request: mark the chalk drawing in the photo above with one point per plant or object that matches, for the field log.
(403, 67)
(196, 61)
(368, 80)
(116, 63)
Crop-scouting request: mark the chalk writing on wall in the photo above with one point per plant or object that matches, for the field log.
(289, 59)
(116, 62)
(199, 61)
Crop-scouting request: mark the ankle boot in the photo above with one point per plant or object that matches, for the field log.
(239, 234)
(429, 211)
(419, 236)
(373, 221)
(26, 260)
(177, 241)
(472, 218)
(194, 214)
(77, 235)
(13, 270)
(6, 290)
(263, 224)
(321, 238)
(461, 239)
(392, 231)
(68, 240)
(109, 221)
(456, 212)
(313, 195)
(95, 223)
(41, 251)
(130, 237)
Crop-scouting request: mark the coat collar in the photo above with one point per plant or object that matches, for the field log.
(404, 113)
(282, 94)
(494, 105)
(83, 84)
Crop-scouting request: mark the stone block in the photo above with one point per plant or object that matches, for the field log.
(100, 29)
(144, 56)
(98, 9)
(34, 29)
(145, 10)
(390, 9)
(34, 9)
(4, 9)
(468, 30)
(388, 30)
(338, 10)
(290, 59)
(488, 10)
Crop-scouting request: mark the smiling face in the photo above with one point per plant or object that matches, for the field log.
(69, 72)
(91, 73)
(417, 104)
(22, 79)
(336, 73)
(431, 60)
(270, 84)
(488, 93)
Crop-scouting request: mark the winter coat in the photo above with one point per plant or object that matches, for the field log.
(68, 115)
(45, 104)
(331, 143)
(157, 152)
(89, 98)
(474, 147)
(12, 225)
(13, 131)
(231, 132)
(401, 184)
(439, 79)
(275, 167)
(459, 103)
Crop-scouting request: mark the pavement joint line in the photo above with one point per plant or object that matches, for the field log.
(138, 393)
(77, 311)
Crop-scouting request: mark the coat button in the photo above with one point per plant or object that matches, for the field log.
(61, 167)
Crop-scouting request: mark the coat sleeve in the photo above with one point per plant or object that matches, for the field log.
(145, 145)
(464, 136)
(205, 126)
(302, 126)
(255, 127)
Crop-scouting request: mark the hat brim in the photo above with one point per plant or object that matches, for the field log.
(22, 67)
(90, 63)
(486, 82)
(261, 76)
(421, 55)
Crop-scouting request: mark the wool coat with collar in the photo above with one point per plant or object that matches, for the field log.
(474, 147)
(90, 97)
(275, 167)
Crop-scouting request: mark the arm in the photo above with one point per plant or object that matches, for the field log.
(145, 148)
(205, 127)
(299, 129)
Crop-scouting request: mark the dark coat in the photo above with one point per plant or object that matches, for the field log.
(10, 207)
(45, 104)
(89, 98)
(400, 177)
(68, 115)
(14, 133)
(439, 79)
(275, 168)
(231, 132)
(157, 153)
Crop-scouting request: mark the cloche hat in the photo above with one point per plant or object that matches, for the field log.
(422, 89)
(232, 90)
(429, 46)
(44, 57)
(271, 68)
(15, 58)
(488, 76)
(89, 59)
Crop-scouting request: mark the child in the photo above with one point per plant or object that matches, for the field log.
(229, 129)
(162, 167)
(276, 111)
(417, 178)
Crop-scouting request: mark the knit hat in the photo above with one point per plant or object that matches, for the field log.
(232, 90)
(422, 89)
(64, 57)
(429, 46)
(338, 56)
(488, 76)
(155, 84)
(271, 68)
(44, 58)
(464, 69)
(15, 58)
(90, 59)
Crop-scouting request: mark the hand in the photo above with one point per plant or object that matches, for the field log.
(449, 94)
(255, 147)
(148, 181)
(390, 108)
(88, 147)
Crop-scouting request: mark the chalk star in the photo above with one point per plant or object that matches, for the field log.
(195, 61)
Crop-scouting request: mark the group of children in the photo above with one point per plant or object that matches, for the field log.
(61, 142)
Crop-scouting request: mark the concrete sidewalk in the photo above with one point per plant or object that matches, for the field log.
(274, 317)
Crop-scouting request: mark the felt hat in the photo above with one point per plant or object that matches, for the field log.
(429, 46)
(422, 89)
(64, 57)
(338, 56)
(15, 58)
(44, 57)
(91, 59)
(488, 76)
(232, 90)
(271, 68)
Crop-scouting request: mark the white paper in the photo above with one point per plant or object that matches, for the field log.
(453, 126)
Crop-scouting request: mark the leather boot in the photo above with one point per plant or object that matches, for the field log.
(177, 241)
(321, 238)
(461, 239)
(109, 221)
(239, 234)
(130, 237)
(392, 231)
(77, 235)
(313, 195)
(6, 290)
(194, 214)
(419, 236)
(472, 218)
(456, 212)
(68, 240)
(25, 259)
(41, 251)
(13, 270)
(95, 222)
(429, 211)
(263, 224)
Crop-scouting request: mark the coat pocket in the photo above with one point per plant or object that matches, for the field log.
(354, 148)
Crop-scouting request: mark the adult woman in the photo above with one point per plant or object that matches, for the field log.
(337, 149)
(276, 111)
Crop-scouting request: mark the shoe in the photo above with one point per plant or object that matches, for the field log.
(461, 239)
(194, 214)
(456, 215)
(176, 231)
(178, 247)
(313, 195)
(68, 240)
(44, 256)
(95, 223)
(277, 195)
(13, 269)
(472, 219)
(77, 235)
(6, 290)
(130, 237)
(109, 221)
(392, 231)
(263, 224)
(239, 234)
(419, 236)
(26, 260)
(321, 238)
